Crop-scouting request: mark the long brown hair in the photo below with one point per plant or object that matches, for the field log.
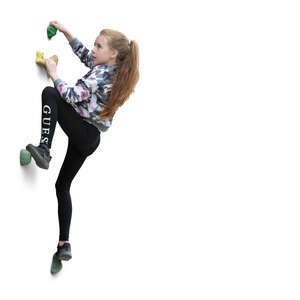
(127, 74)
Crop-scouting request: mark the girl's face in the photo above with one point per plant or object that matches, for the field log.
(102, 54)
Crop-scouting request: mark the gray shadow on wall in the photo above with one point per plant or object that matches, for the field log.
(42, 71)
(29, 173)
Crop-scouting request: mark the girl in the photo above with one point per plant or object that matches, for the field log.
(84, 111)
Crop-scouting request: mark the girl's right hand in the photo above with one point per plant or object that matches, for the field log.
(58, 26)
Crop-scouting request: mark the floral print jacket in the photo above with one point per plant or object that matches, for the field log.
(91, 93)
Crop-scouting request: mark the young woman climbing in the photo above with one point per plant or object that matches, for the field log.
(84, 111)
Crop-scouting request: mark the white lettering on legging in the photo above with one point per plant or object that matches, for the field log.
(46, 130)
(47, 109)
(44, 140)
(46, 121)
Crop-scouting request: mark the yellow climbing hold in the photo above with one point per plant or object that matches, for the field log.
(41, 60)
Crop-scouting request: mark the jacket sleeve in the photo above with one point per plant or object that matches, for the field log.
(82, 91)
(82, 52)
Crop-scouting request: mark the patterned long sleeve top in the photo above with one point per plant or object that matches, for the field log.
(91, 93)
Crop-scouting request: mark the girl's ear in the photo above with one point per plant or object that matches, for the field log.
(115, 53)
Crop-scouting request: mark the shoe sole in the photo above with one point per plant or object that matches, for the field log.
(39, 160)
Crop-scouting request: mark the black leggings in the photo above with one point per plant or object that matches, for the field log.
(83, 140)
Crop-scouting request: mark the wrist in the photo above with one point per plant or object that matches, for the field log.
(53, 76)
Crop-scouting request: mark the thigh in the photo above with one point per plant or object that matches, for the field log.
(69, 120)
(82, 135)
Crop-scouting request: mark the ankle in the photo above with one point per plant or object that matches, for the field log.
(60, 243)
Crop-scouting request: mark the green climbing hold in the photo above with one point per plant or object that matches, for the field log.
(25, 157)
(56, 264)
(51, 31)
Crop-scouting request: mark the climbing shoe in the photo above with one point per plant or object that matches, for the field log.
(40, 154)
(64, 251)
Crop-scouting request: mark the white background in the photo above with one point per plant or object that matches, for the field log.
(193, 192)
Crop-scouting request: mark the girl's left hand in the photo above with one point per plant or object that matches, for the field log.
(50, 66)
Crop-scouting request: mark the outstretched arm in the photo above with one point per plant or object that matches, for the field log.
(68, 35)
(84, 54)
(78, 48)
(60, 27)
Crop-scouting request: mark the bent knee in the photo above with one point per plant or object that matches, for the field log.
(49, 90)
